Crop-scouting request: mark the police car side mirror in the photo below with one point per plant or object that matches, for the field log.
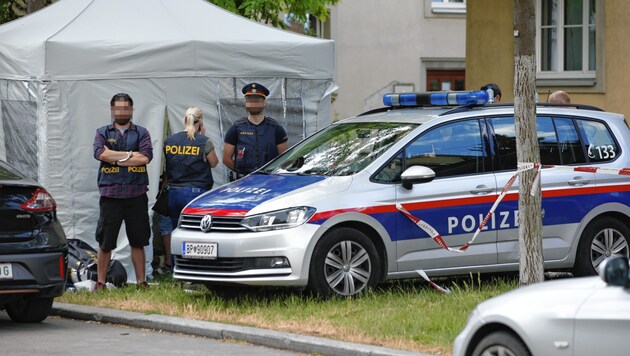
(416, 174)
(614, 271)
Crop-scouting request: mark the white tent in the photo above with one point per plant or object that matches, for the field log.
(60, 66)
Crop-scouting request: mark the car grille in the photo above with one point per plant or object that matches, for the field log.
(222, 265)
(219, 223)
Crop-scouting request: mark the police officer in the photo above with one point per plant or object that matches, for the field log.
(124, 150)
(254, 140)
(190, 155)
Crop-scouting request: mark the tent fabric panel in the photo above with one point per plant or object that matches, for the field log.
(22, 41)
(107, 39)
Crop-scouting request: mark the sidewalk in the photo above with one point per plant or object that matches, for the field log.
(255, 336)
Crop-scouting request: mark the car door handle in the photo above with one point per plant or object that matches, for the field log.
(482, 189)
(579, 181)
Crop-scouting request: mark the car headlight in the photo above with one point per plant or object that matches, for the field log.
(280, 219)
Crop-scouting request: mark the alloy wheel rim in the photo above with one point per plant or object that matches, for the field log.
(497, 350)
(347, 268)
(608, 243)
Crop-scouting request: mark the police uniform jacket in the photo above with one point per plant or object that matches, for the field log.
(186, 163)
(256, 144)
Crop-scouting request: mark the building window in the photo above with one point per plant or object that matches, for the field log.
(442, 80)
(448, 6)
(565, 39)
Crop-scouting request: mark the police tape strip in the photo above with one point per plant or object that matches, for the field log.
(504, 191)
(585, 169)
(442, 290)
(521, 167)
(426, 227)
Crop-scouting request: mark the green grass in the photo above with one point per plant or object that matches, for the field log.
(407, 315)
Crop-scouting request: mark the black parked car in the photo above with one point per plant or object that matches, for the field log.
(33, 248)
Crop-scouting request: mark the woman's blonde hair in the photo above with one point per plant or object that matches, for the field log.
(192, 120)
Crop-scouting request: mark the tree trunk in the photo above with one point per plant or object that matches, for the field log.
(530, 208)
(34, 5)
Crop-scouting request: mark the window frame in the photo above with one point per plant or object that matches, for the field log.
(561, 77)
(446, 7)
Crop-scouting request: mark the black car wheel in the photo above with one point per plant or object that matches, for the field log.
(345, 263)
(32, 310)
(602, 238)
(501, 343)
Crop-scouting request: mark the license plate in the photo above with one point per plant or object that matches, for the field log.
(6, 271)
(200, 249)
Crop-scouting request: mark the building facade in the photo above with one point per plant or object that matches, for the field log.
(582, 48)
(395, 46)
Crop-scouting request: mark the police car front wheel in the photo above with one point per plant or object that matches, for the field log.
(345, 263)
(602, 238)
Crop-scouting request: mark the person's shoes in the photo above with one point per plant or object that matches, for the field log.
(99, 286)
(143, 285)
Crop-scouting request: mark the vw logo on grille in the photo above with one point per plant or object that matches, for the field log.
(206, 223)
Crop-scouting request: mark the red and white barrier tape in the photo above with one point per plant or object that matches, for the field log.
(442, 290)
(427, 228)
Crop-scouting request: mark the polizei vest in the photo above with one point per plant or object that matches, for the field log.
(256, 144)
(110, 174)
(186, 163)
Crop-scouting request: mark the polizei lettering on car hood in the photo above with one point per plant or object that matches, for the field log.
(241, 196)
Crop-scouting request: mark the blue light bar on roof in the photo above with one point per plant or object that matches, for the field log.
(475, 97)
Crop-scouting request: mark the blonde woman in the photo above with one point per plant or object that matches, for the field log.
(190, 155)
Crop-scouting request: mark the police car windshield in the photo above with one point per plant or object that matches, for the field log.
(340, 150)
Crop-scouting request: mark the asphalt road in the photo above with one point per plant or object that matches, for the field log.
(58, 336)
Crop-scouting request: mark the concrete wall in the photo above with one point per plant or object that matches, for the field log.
(490, 54)
(379, 43)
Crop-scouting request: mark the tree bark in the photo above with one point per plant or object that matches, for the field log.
(34, 5)
(527, 151)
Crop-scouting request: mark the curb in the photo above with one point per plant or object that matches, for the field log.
(255, 336)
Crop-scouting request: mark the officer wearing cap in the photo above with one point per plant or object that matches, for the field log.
(254, 140)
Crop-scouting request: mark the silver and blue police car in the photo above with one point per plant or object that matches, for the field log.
(344, 209)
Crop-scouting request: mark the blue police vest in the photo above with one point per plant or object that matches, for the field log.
(110, 174)
(186, 163)
(256, 144)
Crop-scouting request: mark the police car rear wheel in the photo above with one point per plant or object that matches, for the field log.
(345, 263)
(601, 239)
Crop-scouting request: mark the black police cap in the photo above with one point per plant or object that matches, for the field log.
(255, 89)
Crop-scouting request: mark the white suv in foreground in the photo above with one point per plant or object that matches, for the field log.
(387, 193)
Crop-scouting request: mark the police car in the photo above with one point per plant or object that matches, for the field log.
(395, 191)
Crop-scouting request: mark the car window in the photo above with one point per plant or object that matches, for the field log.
(390, 172)
(340, 150)
(558, 141)
(598, 141)
(451, 149)
(571, 150)
(547, 141)
(505, 142)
